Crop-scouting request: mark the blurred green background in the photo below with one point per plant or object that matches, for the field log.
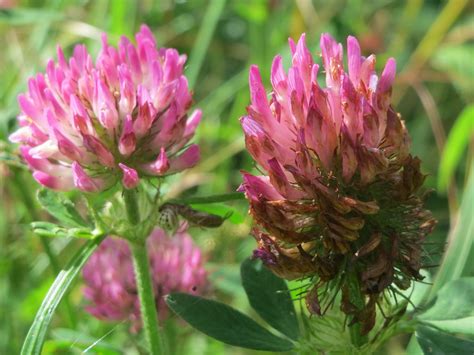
(431, 40)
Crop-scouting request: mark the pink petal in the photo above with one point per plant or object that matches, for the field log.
(127, 100)
(280, 181)
(127, 142)
(44, 150)
(146, 115)
(130, 177)
(67, 148)
(257, 91)
(258, 187)
(186, 160)
(354, 60)
(84, 182)
(191, 124)
(332, 60)
(105, 106)
(278, 78)
(160, 166)
(95, 146)
(388, 76)
(53, 182)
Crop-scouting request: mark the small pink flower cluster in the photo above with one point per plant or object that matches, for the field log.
(86, 126)
(176, 264)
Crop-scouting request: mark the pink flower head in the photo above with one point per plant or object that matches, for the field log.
(347, 127)
(176, 265)
(88, 125)
(337, 174)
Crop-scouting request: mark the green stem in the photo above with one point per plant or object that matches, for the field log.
(147, 299)
(131, 206)
(142, 274)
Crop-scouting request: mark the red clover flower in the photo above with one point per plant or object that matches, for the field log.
(176, 264)
(86, 126)
(338, 199)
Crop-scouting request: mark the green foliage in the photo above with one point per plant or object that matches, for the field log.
(65, 340)
(269, 297)
(456, 61)
(210, 199)
(35, 338)
(458, 139)
(461, 241)
(27, 16)
(440, 343)
(203, 39)
(61, 208)
(221, 210)
(224, 323)
(221, 41)
(47, 229)
(453, 310)
(446, 327)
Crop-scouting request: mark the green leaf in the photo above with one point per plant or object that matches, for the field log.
(460, 241)
(457, 141)
(47, 229)
(61, 208)
(19, 16)
(224, 323)
(210, 199)
(37, 333)
(269, 297)
(435, 342)
(453, 310)
(221, 210)
(413, 347)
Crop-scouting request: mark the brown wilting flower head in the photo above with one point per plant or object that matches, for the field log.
(338, 200)
(86, 125)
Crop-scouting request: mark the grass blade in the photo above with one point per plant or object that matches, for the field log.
(211, 17)
(458, 139)
(460, 241)
(37, 333)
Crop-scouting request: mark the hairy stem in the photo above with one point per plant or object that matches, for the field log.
(131, 206)
(142, 274)
(147, 299)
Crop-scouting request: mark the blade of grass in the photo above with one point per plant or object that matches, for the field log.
(204, 36)
(35, 338)
(25, 195)
(458, 139)
(460, 241)
(122, 18)
(430, 42)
